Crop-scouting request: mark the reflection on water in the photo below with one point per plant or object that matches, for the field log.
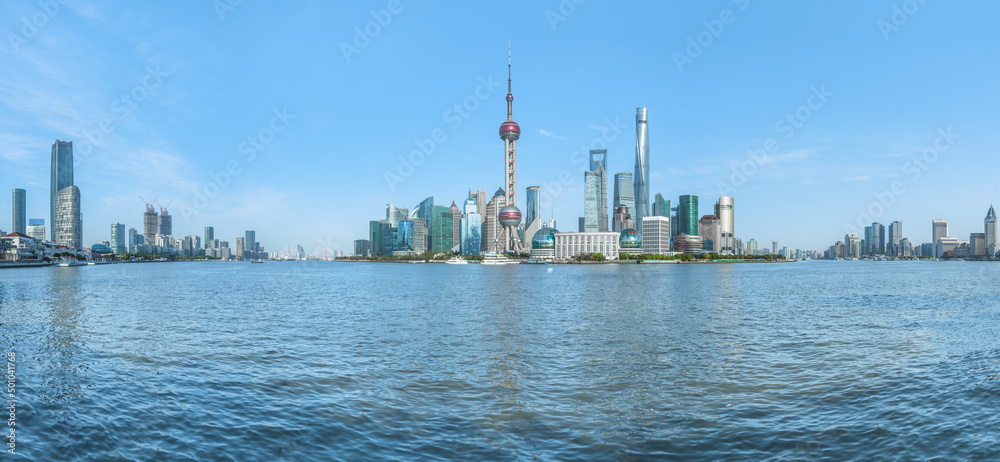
(308, 361)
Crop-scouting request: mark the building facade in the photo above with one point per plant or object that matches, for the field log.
(595, 193)
(36, 229)
(656, 235)
(939, 230)
(68, 227)
(569, 245)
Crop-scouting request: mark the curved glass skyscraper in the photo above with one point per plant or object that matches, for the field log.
(687, 215)
(62, 177)
(640, 176)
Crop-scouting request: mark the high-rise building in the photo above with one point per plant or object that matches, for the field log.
(939, 230)
(492, 228)
(442, 229)
(532, 215)
(300, 253)
(166, 222)
(420, 233)
(404, 236)
(533, 211)
(209, 234)
(878, 239)
(866, 243)
(68, 220)
(456, 223)
(480, 198)
(380, 236)
(62, 176)
(641, 171)
(594, 196)
(661, 206)
(977, 244)
(895, 235)
(622, 219)
(133, 240)
(774, 247)
(118, 238)
(150, 223)
(240, 248)
(424, 211)
(36, 228)
(711, 233)
(19, 218)
(362, 248)
(624, 194)
(509, 217)
(394, 214)
(990, 223)
(655, 235)
(727, 226)
(471, 225)
(687, 215)
(249, 244)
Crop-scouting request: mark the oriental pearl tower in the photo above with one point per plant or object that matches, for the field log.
(510, 216)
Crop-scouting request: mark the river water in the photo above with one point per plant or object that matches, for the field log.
(365, 361)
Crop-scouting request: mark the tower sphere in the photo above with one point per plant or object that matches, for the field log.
(510, 216)
(510, 130)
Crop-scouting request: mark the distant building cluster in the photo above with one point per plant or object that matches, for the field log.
(880, 242)
(29, 241)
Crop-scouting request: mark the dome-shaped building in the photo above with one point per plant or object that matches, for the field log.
(630, 242)
(543, 244)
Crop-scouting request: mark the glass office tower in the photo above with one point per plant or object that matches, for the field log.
(19, 215)
(640, 176)
(62, 177)
(687, 215)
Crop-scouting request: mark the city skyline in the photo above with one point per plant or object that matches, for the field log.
(855, 137)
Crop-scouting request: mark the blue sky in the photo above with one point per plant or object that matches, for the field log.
(168, 96)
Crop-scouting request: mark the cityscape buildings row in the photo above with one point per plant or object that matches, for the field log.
(882, 242)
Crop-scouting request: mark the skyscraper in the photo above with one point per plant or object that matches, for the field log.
(533, 214)
(533, 211)
(687, 215)
(895, 235)
(19, 217)
(456, 223)
(510, 216)
(471, 225)
(661, 206)
(641, 172)
(624, 194)
(68, 228)
(62, 176)
(209, 235)
(150, 223)
(491, 223)
(133, 240)
(595, 186)
(425, 212)
(118, 238)
(249, 243)
(711, 233)
(240, 248)
(727, 225)
(166, 222)
(939, 230)
(990, 224)
(878, 239)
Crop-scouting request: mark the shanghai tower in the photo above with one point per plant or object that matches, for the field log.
(640, 180)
